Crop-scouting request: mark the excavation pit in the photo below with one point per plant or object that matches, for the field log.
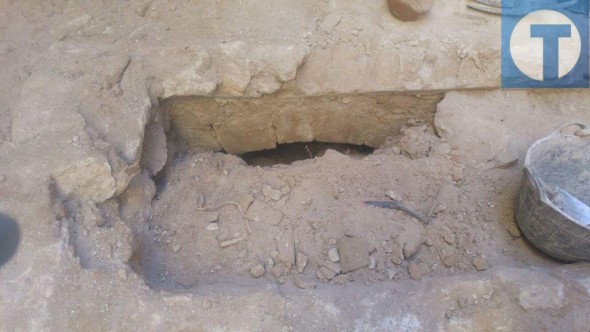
(220, 218)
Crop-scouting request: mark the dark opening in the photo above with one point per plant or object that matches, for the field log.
(9, 238)
(285, 154)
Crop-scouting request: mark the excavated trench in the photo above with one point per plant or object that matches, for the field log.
(263, 173)
(248, 192)
(260, 190)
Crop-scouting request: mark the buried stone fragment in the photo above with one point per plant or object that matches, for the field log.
(353, 253)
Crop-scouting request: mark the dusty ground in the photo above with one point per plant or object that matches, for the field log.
(118, 206)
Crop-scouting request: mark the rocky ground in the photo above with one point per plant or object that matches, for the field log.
(129, 220)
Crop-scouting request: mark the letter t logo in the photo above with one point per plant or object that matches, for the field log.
(551, 34)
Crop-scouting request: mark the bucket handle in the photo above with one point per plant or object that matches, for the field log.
(559, 130)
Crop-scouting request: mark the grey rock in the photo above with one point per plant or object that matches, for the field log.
(334, 267)
(234, 67)
(89, 179)
(212, 227)
(353, 253)
(480, 264)
(327, 273)
(416, 271)
(407, 244)
(513, 230)
(393, 195)
(372, 263)
(447, 235)
(390, 273)
(278, 270)
(273, 194)
(301, 262)
(257, 271)
(506, 159)
(449, 261)
(333, 255)
(301, 283)
(136, 200)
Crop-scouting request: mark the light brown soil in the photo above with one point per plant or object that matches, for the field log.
(320, 201)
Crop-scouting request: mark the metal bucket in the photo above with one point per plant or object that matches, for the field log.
(553, 204)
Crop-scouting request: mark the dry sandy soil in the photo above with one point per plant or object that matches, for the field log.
(129, 133)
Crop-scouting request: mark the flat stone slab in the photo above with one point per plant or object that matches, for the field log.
(353, 253)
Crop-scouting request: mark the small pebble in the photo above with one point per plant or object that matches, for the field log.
(327, 273)
(257, 271)
(270, 193)
(480, 264)
(301, 283)
(372, 263)
(514, 231)
(393, 195)
(278, 270)
(390, 273)
(2, 178)
(416, 271)
(212, 227)
(176, 248)
(333, 255)
(211, 217)
(335, 267)
(301, 262)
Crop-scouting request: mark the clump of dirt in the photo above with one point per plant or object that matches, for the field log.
(218, 219)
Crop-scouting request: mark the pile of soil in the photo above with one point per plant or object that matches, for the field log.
(309, 225)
